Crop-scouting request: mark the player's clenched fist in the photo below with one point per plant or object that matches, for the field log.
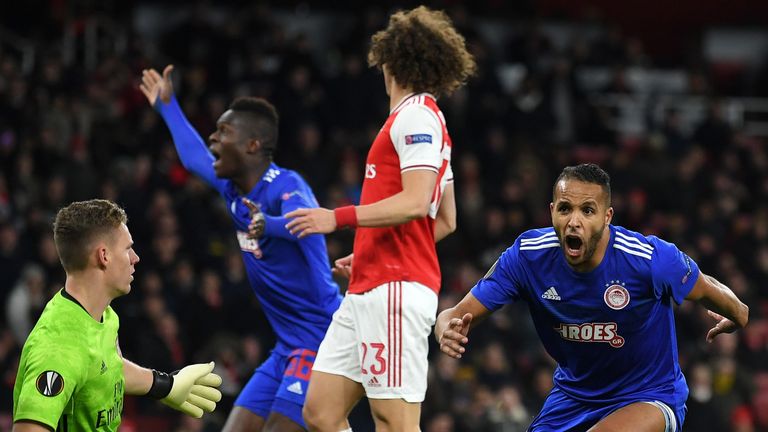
(453, 335)
(343, 266)
(258, 222)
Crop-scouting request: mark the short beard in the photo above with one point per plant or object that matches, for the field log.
(592, 244)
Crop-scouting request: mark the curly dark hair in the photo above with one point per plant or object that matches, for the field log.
(78, 224)
(423, 51)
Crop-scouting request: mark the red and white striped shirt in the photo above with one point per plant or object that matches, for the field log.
(414, 137)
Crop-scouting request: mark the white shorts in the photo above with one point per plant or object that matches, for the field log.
(381, 339)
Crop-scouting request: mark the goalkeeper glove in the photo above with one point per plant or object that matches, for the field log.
(192, 390)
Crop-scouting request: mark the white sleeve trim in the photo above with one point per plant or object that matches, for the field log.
(420, 167)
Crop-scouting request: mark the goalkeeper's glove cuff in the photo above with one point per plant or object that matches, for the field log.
(162, 383)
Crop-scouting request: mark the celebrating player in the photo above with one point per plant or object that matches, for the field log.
(290, 277)
(377, 344)
(601, 298)
(72, 375)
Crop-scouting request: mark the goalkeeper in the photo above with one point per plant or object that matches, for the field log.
(72, 375)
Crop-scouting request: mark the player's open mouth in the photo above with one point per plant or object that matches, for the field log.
(216, 158)
(573, 245)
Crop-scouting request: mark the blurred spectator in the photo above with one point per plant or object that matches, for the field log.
(714, 134)
(509, 414)
(493, 370)
(703, 408)
(12, 258)
(441, 422)
(26, 302)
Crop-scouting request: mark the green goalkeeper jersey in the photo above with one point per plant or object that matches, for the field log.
(71, 372)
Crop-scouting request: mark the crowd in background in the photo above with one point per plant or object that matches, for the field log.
(69, 131)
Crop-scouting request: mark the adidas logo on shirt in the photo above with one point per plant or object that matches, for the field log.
(551, 294)
(295, 388)
(373, 382)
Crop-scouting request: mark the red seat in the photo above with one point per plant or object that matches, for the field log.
(760, 407)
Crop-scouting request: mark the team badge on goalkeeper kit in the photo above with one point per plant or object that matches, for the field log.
(50, 383)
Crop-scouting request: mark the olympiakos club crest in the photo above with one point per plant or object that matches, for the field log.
(616, 296)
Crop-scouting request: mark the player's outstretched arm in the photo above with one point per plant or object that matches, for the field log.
(264, 225)
(731, 314)
(446, 214)
(192, 150)
(192, 390)
(409, 204)
(453, 324)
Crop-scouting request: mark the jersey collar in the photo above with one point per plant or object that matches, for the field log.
(68, 296)
(408, 96)
(254, 193)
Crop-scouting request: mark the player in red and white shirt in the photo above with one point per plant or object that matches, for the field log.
(377, 344)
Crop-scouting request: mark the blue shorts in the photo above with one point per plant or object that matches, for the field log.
(563, 413)
(279, 385)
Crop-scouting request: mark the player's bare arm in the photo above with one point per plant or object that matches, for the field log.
(409, 204)
(445, 223)
(731, 314)
(138, 380)
(453, 324)
(153, 85)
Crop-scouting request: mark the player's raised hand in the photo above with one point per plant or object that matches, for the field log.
(153, 85)
(258, 222)
(724, 325)
(454, 336)
(306, 221)
(343, 266)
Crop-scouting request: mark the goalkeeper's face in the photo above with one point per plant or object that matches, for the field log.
(229, 145)
(580, 216)
(121, 261)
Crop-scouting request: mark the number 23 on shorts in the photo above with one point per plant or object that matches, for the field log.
(376, 364)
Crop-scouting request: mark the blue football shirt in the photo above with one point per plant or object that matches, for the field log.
(611, 330)
(291, 277)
